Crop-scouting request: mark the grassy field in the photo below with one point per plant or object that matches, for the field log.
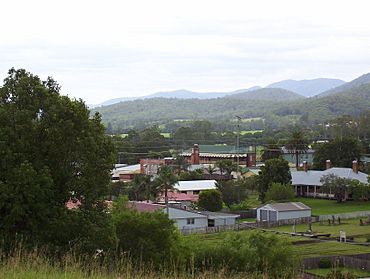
(244, 132)
(351, 227)
(325, 271)
(306, 250)
(326, 207)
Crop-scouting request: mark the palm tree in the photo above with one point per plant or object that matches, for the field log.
(180, 163)
(297, 144)
(166, 180)
(142, 184)
(226, 166)
(211, 169)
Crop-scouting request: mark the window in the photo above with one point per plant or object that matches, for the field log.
(190, 221)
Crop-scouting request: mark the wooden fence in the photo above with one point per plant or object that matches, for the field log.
(351, 215)
(296, 221)
(236, 227)
(360, 261)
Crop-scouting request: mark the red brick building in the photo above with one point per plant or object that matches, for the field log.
(210, 154)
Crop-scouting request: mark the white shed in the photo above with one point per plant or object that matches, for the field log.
(283, 211)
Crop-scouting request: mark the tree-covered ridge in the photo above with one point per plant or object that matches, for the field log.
(364, 79)
(267, 94)
(274, 109)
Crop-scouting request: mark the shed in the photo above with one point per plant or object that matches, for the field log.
(283, 211)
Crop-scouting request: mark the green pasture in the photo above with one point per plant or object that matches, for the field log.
(326, 207)
(352, 227)
(325, 271)
(306, 249)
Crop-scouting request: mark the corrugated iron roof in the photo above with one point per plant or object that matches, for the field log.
(287, 206)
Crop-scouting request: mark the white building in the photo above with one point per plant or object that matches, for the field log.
(187, 218)
(307, 183)
(194, 187)
(283, 211)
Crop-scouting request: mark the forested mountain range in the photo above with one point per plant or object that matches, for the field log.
(271, 104)
(364, 79)
(308, 87)
(180, 94)
(267, 94)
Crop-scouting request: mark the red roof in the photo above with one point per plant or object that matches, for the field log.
(144, 206)
(175, 196)
(73, 204)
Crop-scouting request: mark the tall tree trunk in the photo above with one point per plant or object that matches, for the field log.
(296, 160)
(166, 201)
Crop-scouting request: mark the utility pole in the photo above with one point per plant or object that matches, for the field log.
(237, 146)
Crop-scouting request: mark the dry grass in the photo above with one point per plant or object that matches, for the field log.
(24, 265)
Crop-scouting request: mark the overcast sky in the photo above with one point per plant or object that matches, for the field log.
(98, 50)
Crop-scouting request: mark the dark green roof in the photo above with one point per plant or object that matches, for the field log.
(221, 149)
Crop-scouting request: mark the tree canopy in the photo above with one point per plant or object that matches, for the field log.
(210, 200)
(275, 170)
(51, 150)
(341, 153)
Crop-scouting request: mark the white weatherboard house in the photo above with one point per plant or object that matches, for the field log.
(307, 183)
(283, 211)
(186, 218)
(194, 187)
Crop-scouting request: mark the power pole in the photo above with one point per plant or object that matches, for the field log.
(237, 146)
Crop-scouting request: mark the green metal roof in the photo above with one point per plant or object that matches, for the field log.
(221, 149)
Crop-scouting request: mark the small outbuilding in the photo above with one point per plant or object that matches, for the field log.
(283, 211)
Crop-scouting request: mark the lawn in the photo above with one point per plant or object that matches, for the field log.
(325, 271)
(350, 226)
(244, 132)
(329, 248)
(166, 135)
(306, 250)
(325, 207)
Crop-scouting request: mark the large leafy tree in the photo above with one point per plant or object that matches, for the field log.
(341, 153)
(338, 186)
(51, 150)
(233, 191)
(210, 200)
(280, 192)
(274, 171)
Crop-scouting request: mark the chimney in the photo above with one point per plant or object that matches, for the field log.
(355, 166)
(328, 164)
(305, 166)
(195, 155)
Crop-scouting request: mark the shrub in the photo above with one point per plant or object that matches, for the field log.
(280, 192)
(325, 263)
(256, 252)
(210, 200)
(338, 274)
(145, 236)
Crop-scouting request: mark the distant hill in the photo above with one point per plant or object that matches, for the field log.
(275, 106)
(364, 79)
(353, 102)
(268, 94)
(308, 87)
(178, 94)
